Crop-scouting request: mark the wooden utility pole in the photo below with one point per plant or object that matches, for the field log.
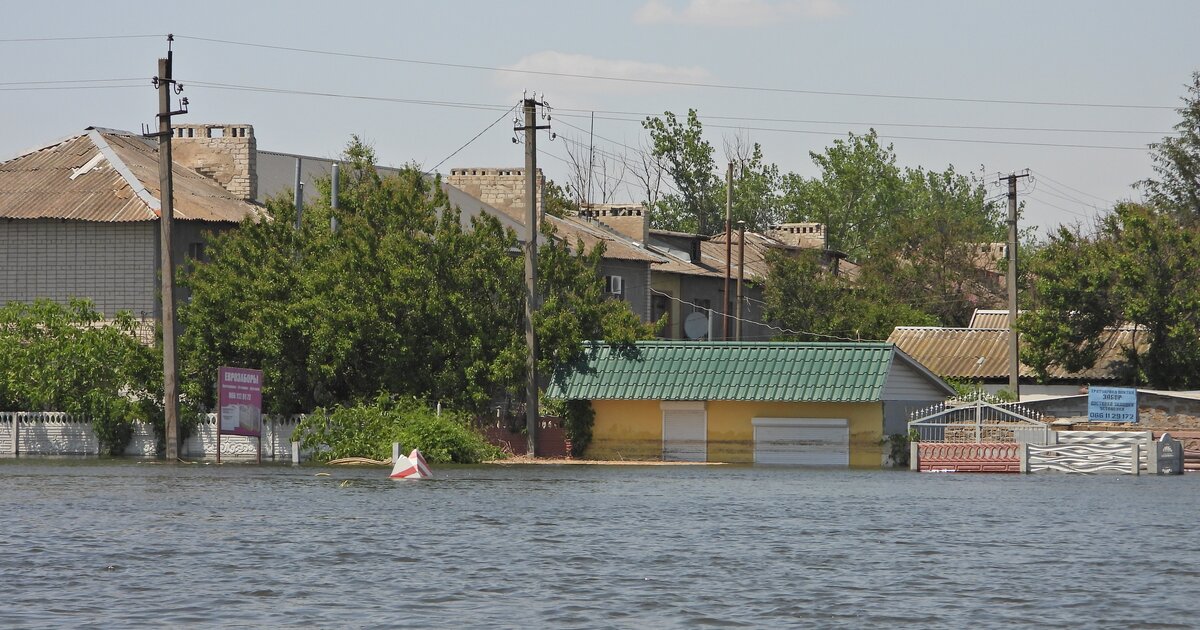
(728, 247)
(165, 84)
(532, 223)
(1014, 345)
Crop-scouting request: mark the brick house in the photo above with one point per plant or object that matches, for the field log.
(79, 216)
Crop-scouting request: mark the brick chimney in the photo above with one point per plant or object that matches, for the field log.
(805, 235)
(628, 220)
(225, 153)
(501, 188)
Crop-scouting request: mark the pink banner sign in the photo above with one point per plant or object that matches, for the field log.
(239, 398)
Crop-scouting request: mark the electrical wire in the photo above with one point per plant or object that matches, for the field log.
(485, 129)
(75, 39)
(786, 331)
(697, 84)
(583, 113)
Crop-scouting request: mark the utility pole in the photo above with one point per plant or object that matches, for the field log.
(728, 246)
(334, 184)
(737, 322)
(532, 223)
(1014, 345)
(165, 85)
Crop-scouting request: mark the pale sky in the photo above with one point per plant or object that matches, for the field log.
(927, 75)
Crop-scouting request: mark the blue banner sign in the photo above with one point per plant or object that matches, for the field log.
(1112, 404)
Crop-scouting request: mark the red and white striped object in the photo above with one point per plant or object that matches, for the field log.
(412, 467)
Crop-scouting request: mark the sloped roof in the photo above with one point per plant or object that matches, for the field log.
(108, 176)
(741, 371)
(982, 353)
(995, 319)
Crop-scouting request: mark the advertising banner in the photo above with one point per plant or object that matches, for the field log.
(1112, 404)
(239, 400)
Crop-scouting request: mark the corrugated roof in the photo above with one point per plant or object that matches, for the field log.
(982, 353)
(995, 319)
(783, 372)
(109, 176)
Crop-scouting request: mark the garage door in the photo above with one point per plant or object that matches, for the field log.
(802, 441)
(685, 432)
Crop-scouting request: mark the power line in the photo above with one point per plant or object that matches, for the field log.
(56, 81)
(643, 115)
(41, 88)
(485, 129)
(697, 84)
(1046, 177)
(453, 104)
(786, 331)
(76, 39)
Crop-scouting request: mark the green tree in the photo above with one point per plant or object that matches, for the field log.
(810, 303)
(859, 196)
(1176, 186)
(56, 357)
(688, 158)
(401, 299)
(1141, 269)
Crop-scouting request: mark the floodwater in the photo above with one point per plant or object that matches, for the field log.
(91, 543)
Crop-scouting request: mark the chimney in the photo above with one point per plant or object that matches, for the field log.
(501, 188)
(630, 221)
(803, 235)
(227, 154)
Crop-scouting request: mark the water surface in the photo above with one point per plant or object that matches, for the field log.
(101, 544)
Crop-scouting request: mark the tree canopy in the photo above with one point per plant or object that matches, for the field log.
(401, 299)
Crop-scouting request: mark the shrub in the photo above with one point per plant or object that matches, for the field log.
(369, 431)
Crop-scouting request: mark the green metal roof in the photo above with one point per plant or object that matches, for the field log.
(680, 370)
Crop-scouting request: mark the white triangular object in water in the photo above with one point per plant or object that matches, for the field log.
(411, 467)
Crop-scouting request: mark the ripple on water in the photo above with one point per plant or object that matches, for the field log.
(591, 547)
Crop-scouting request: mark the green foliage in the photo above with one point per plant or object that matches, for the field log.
(67, 358)
(1176, 185)
(1140, 268)
(802, 295)
(369, 431)
(689, 162)
(578, 419)
(899, 450)
(402, 299)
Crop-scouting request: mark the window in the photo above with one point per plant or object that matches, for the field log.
(614, 285)
(702, 306)
(196, 252)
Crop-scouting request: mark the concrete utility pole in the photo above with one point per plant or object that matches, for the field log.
(166, 221)
(334, 184)
(737, 322)
(728, 246)
(1014, 346)
(532, 223)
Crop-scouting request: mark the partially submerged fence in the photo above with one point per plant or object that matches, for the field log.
(1128, 452)
(55, 433)
(979, 420)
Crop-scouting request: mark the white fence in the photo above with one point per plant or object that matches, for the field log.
(1128, 452)
(54, 433)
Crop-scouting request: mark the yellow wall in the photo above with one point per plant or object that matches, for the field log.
(632, 429)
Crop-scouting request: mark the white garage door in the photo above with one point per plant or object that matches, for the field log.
(802, 441)
(685, 432)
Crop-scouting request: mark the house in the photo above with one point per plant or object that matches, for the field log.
(79, 216)
(748, 402)
(980, 354)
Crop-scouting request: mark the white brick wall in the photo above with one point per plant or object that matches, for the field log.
(111, 263)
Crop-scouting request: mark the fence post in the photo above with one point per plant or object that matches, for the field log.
(1135, 449)
(395, 452)
(914, 455)
(295, 453)
(1023, 457)
(16, 433)
(1152, 458)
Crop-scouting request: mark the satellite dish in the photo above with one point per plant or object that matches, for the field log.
(695, 325)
